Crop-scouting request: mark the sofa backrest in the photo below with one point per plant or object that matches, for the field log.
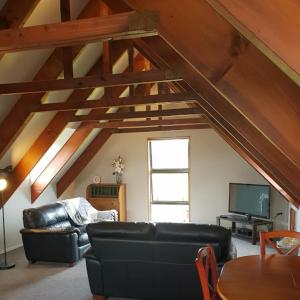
(199, 234)
(153, 261)
(121, 241)
(50, 215)
(167, 242)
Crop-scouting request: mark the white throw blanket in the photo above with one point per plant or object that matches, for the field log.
(82, 212)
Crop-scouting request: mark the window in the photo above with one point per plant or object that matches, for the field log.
(169, 180)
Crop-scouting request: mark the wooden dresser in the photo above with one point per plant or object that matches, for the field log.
(108, 196)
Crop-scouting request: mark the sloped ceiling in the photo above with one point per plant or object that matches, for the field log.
(246, 79)
(250, 100)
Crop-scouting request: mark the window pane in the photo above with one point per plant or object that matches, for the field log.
(170, 213)
(169, 154)
(170, 187)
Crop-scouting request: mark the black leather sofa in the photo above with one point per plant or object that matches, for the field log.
(151, 261)
(50, 235)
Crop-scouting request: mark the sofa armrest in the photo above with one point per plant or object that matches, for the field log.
(50, 231)
(55, 244)
(90, 255)
(94, 272)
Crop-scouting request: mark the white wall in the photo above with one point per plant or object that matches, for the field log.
(14, 209)
(213, 164)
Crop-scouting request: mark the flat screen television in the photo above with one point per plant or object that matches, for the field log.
(249, 199)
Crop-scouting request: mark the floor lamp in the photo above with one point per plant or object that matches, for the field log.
(4, 265)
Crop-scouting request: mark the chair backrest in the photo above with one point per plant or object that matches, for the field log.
(207, 271)
(266, 238)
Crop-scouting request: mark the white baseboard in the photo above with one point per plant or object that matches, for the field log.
(11, 248)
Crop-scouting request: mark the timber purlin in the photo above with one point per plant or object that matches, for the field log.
(107, 80)
(228, 89)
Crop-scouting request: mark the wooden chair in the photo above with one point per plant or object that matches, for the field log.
(265, 238)
(207, 268)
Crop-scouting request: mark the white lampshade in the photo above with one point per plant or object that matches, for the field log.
(3, 184)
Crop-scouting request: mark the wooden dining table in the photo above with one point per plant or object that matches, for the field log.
(268, 277)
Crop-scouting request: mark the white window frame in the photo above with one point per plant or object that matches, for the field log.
(167, 171)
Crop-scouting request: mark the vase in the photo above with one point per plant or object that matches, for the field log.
(118, 178)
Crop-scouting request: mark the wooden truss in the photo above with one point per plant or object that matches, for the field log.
(226, 87)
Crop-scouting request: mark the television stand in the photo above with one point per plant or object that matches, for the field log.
(246, 220)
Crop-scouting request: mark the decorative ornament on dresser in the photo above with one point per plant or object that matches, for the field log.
(119, 166)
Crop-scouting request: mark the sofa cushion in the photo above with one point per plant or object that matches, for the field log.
(53, 214)
(180, 252)
(121, 230)
(199, 233)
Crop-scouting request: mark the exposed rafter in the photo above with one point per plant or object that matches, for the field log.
(21, 112)
(82, 160)
(151, 123)
(162, 128)
(66, 151)
(258, 21)
(108, 80)
(230, 78)
(278, 167)
(14, 13)
(97, 143)
(242, 82)
(139, 114)
(118, 26)
(118, 102)
(45, 140)
(52, 131)
(40, 184)
(67, 57)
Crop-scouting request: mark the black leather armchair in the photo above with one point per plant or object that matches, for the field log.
(50, 235)
(151, 261)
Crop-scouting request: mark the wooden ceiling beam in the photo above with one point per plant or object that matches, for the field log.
(242, 73)
(99, 140)
(68, 149)
(44, 179)
(259, 20)
(45, 140)
(162, 128)
(91, 150)
(51, 132)
(109, 80)
(67, 57)
(277, 166)
(21, 112)
(243, 77)
(118, 26)
(118, 102)
(15, 13)
(151, 123)
(138, 114)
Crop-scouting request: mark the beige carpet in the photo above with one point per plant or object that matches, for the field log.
(50, 281)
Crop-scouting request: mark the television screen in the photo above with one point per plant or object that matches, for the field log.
(250, 199)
